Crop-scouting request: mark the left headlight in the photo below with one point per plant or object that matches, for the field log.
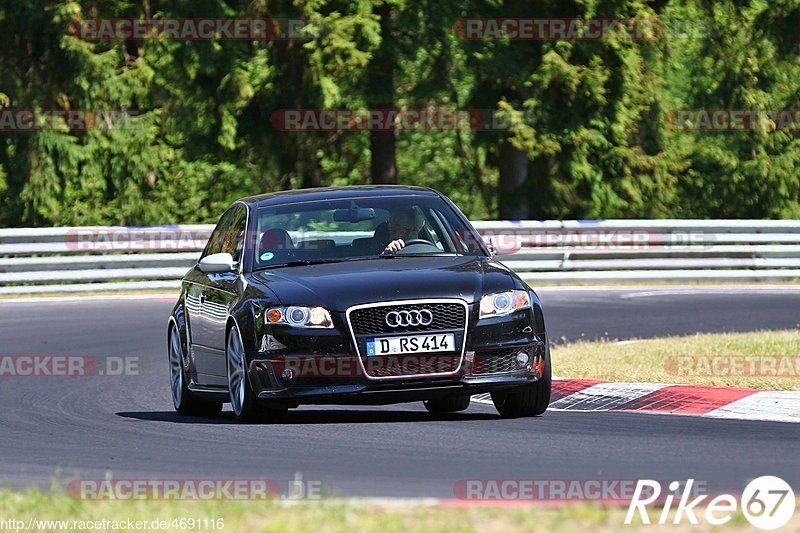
(300, 316)
(504, 303)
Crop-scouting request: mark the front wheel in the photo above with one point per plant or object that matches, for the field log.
(528, 400)
(246, 406)
(183, 400)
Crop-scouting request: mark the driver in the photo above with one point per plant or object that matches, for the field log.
(404, 226)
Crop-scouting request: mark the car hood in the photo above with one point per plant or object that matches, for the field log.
(338, 286)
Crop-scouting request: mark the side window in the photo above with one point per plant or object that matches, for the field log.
(234, 237)
(448, 239)
(432, 228)
(217, 238)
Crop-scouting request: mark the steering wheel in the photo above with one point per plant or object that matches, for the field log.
(408, 243)
(417, 241)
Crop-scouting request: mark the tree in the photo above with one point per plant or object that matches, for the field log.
(584, 113)
(744, 59)
(380, 96)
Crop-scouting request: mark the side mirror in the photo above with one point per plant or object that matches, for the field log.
(217, 263)
(492, 248)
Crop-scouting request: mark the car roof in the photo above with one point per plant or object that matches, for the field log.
(335, 193)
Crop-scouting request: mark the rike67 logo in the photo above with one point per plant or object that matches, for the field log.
(767, 502)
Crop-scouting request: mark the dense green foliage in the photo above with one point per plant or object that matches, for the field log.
(591, 120)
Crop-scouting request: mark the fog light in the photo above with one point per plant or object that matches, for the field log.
(523, 359)
(288, 374)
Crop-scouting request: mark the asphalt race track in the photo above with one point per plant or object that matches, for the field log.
(67, 427)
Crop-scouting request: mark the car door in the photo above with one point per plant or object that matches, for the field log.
(222, 289)
(198, 286)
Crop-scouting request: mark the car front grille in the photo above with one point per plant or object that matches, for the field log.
(446, 316)
(372, 320)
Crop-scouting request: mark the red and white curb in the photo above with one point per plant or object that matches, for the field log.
(698, 400)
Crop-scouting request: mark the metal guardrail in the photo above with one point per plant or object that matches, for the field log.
(39, 260)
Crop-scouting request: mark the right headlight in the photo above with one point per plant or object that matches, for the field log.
(504, 303)
(300, 316)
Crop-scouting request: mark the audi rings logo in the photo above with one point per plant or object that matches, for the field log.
(421, 317)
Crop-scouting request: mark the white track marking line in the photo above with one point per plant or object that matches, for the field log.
(775, 406)
(73, 299)
(693, 292)
(679, 289)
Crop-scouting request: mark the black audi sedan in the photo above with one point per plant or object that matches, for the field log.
(353, 295)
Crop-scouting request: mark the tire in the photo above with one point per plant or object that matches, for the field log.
(452, 404)
(185, 402)
(247, 408)
(528, 400)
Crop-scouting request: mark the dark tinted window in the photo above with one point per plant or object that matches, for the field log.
(219, 234)
(233, 243)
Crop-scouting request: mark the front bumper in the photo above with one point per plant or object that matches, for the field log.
(325, 369)
(405, 390)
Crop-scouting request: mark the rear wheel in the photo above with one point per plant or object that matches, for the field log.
(183, 400)
(528, 400)
(246, 406)
(453, 404)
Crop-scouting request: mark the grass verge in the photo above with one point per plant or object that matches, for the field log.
(759, 360)
(318, 517)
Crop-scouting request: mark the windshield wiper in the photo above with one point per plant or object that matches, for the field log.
(303, 262)
(306, 262)
(440, 254)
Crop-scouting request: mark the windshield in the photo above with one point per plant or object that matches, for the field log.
(361, 228)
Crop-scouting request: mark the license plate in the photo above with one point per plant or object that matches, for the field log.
(411, 344)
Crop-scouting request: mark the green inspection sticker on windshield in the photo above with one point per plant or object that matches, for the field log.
(267, 256)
